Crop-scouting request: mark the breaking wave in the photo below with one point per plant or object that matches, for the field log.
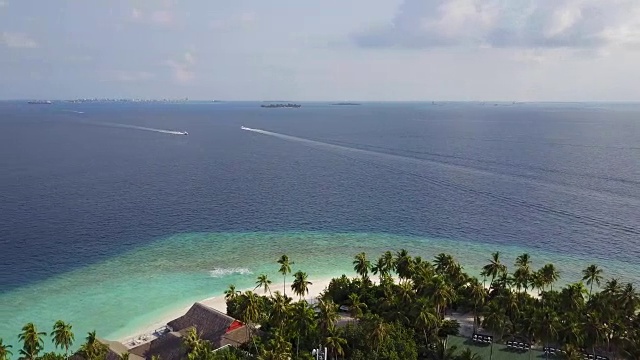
(222, 272)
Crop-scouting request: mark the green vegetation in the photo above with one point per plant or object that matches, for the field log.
(62, 337)
(403, 314)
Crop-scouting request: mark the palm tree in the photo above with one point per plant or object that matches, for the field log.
(335, 343)
(546, 325)
(523, 261)
(467, 354)
(378, 335)
(441, 294)
(612, 287)
(549, 274)
(280, 308)
(285, 268)
(304, 317)
(327, 315)
(629, 298)
(361, 265)
(384, 265)
(572, 296)
(356, 306)
(263, 282)
(4, 351)
(251, 313)
(425, 320)
(494, 267)
(443, 264)
(403, 264)
(592, 274)
(93, 349)
(123, 356)
(62, 336)
(191, 341)
(537, 281)
(231, 293)
(495, 318)
(300, 284)
(478, 295)
(32, 342)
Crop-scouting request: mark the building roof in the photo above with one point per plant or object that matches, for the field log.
(115, 349)
(212, 325)
(167, 347)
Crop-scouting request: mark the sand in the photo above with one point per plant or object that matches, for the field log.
(218, 302)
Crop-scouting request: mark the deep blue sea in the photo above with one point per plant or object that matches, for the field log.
(103, 208)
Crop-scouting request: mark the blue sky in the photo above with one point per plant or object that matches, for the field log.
(525, 50)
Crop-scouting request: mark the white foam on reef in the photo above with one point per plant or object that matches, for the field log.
(222, 272)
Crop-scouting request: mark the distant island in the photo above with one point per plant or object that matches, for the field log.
(345, 104)
(288, 105)
(40, 102)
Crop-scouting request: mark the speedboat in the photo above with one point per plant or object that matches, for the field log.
(244, 128)
(185, 133)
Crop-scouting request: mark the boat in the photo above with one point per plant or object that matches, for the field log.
(244, 128)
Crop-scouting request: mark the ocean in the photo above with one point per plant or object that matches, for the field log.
(110, 217)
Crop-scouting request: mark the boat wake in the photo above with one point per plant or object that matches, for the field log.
(222, 272)
(143, 128)
(580, 217)
(74, 111)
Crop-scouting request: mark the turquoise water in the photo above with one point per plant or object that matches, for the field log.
(124, 293)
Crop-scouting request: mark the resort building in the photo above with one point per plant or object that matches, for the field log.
(210, 324)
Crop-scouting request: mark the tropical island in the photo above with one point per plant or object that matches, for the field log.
(398, 307)
(287, 105)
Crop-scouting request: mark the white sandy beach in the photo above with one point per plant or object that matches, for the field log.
(218, 302)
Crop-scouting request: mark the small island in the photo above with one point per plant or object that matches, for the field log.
(288, 105)
(345, 104)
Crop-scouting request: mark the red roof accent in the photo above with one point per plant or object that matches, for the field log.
(234, 325)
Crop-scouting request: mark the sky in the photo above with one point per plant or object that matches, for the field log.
(393, 50)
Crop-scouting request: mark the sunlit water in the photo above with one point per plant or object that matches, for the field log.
(109, 227)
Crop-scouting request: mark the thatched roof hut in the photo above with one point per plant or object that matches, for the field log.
(211, 324)
(115, 349)
(167, 347)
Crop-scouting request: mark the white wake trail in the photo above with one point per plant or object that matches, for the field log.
(327, 145)
(125, 126)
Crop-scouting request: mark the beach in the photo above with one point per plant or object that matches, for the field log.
(218, 302)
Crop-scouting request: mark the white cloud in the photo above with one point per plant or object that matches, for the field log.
(182, 70)
(18, 40)
(508, 23)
